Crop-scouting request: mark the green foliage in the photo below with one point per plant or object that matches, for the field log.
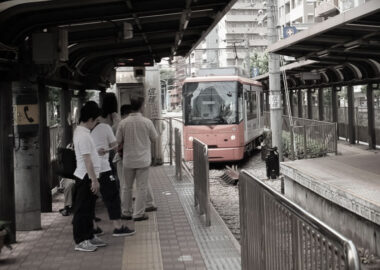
(313, 149)
(260, 61)
(168, 75)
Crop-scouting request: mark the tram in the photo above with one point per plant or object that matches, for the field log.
(226, 113)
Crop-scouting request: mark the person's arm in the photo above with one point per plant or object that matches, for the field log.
(91, 173)
(152, 132)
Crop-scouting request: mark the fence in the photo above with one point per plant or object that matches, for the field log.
(168, 126)
(178, 154)
(201, 179)
(278, 234)
(307, 138)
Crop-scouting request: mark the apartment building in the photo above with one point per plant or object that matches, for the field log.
(240, 33)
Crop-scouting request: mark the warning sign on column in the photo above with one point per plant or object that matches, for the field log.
(275, 101)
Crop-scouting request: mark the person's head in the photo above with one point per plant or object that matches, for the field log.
(137, 103)
(125, 110)
(109, 104)
(89, 114)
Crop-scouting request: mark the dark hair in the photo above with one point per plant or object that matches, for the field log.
(109, 104)
(136, 103)
(125, 109)
(88, 111)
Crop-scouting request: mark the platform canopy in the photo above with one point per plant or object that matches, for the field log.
(343, 50)
(103, 34)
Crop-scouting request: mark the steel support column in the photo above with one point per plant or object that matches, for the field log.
(299, 103)
(291, 100)
(321, 116)
(267, 101)
(334, 108)
(67, 132)
(7, 186)
(284, 104)
(309, 104)
(371, 119)
(44, 142)
(351, 114)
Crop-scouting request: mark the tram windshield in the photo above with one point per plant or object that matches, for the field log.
(210, 103)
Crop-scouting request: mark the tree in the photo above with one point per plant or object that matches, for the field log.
(259, 61)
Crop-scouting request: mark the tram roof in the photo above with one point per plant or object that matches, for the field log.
(344, 49)
(161, 28)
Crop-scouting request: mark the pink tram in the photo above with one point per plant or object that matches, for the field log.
(226, 113)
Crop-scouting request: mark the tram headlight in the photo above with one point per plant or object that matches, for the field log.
(191, 138)
(233, 137)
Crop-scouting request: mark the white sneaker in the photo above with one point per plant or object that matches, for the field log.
(85, 246)
(97, 242)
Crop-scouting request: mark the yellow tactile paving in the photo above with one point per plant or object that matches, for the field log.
(142, 251)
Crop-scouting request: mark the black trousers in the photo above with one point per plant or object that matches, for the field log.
(84, 210)
(109, 189)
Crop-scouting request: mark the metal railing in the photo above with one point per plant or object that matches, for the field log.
(167, 126)
(178, 154)
(278, 234)
(307, 138)
(201, 179)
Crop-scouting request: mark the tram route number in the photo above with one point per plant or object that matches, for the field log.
(275, 101)
(26, 114)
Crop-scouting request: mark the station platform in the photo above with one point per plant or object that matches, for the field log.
(174, 237)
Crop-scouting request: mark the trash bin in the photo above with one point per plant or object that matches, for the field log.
(272, 163)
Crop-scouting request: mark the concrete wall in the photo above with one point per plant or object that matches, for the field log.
(362, 232)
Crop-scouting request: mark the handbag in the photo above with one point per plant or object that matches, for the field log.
(66, 162)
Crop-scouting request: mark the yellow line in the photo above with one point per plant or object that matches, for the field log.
(142, 251)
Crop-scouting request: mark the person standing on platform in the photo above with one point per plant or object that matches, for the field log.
(86, 180)
(105, 141)
(125, 110)
(136, 134)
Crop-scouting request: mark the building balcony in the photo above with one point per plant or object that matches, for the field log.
(247, 30)
(326, 8)
(241, 18)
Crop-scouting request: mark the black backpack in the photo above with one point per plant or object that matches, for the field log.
(66, 162)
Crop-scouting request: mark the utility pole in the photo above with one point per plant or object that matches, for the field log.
(247, 56)
(274, 81)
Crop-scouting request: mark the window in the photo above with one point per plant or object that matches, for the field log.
(251, 102)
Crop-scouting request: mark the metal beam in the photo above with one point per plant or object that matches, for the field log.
(44, 142)
(7, 188)
(351, 114)
(371, 119)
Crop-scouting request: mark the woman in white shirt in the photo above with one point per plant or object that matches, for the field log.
(86, 180)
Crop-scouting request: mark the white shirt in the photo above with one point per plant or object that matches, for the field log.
(83, 144)
(103, 136)
(136, 132)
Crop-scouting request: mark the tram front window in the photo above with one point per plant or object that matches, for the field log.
(210, 103)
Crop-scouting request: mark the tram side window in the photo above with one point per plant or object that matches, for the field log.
(261, 104)
(251, 105)
(240, 102)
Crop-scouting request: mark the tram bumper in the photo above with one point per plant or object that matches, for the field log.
(219, 154)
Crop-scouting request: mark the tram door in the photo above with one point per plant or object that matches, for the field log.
(251, 112)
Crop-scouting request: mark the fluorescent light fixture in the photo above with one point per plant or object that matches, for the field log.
(186, 24)
(351, 47)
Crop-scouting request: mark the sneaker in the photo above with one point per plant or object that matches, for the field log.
(126, 217)
(85, 246)
(123, 231)
(97, 242)
(65, 211)
(98, 231)
(143, 217)
(151, 209)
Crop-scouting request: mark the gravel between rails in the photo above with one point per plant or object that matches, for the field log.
(225, 197)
